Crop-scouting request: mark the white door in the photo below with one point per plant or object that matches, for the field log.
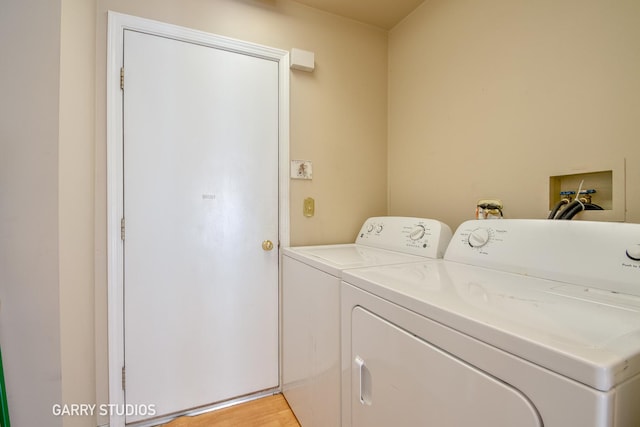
(200, 197)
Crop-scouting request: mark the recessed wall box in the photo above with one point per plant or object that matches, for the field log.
(605, 188)
(302, 60)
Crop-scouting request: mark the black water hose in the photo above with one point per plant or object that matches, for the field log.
(571, 210)
(592, 207)
(556, 208)
(576, 207)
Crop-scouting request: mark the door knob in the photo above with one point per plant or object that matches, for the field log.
(267, 245)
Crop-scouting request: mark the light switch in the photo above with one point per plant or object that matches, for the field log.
(308, 207)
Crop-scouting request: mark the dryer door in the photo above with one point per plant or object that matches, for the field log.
(399, 379)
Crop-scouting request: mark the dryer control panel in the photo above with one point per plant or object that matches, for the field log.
(599, 254)
(416, 236)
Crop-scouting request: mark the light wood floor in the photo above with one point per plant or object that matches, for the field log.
(271, 411)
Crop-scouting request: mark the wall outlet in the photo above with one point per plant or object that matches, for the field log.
(301, 169)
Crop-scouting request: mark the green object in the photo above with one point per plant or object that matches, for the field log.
(4, 410)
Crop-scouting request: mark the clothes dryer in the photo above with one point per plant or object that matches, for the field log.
(311, 278)
(524, 323)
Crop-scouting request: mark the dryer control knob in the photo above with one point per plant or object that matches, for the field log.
(634, 252)
(417, 233)
(379, 229)
(478, 238)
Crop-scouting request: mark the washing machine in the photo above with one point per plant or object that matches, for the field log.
(524, 323)
(311, 278)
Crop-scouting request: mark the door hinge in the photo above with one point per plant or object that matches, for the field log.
(122, 78)
(122, 228)
(124, 378)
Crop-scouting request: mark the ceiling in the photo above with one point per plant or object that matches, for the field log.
(381, 13)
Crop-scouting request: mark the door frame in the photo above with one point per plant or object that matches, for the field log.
(117, 24)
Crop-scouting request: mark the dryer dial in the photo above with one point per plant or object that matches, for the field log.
(479, 237)
(417, 233)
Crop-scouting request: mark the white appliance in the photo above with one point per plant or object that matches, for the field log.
(525, 323)
(311, 306)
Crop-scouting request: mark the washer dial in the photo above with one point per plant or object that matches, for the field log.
(479, 237)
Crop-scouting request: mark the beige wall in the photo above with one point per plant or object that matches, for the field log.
(29, 284)
(76, 205)
(488, 99)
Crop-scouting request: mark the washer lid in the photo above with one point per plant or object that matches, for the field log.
(589, 335)
(335, 258)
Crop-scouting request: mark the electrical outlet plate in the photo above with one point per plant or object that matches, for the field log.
(301, 169)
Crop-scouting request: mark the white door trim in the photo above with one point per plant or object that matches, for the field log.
(116, 26)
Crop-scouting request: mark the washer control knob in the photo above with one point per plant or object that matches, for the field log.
(478, 238)
(417, 233)
(370, 228)
(634, 252)
(379, 228)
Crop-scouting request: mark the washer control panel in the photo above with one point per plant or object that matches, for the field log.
(416, 236)
(600, 254)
